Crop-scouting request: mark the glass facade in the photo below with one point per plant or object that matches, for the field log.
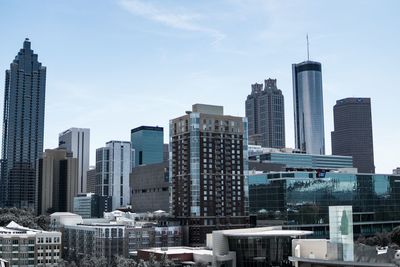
(23, 126)
(302, 199)
(307, 161)
(148, 142)
(261, 251)
(195, 163)
(308, 107)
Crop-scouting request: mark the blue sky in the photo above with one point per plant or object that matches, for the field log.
(116, 65)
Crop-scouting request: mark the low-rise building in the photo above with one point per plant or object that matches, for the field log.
(301, 200)
(96, 239)
(118, 233)
(266, 246)
(22, 246)
(4, 263)
(324, 253)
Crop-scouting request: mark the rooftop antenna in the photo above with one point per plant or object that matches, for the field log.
(308, 49)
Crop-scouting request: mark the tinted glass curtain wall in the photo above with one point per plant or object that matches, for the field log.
(23, 126)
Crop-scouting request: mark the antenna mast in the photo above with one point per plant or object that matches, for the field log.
(308, 49)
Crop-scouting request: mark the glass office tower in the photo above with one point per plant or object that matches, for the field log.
(308, 107)
(23, 126)
(148, 142)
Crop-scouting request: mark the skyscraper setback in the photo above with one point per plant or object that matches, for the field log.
(23, 126)
(308, 107)
(353, 132)
(265, 111)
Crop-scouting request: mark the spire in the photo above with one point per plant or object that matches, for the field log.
(308, 48)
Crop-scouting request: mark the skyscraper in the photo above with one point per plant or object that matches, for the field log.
(113, 166)
(265, 111)
(148, 142)
(23, 126)
(77, 140)
(352, 135)
(57, 181)
(208, 171)
(308, 107)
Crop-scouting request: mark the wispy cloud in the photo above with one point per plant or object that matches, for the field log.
(177, 19)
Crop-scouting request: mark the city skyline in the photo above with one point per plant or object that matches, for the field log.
(154, 55)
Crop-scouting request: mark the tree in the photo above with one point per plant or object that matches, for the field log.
(120, 261)
(23, 217)
(395, 235)
(165, 262)
(152, 261)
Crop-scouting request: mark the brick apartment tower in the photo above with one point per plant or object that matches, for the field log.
(208, 171)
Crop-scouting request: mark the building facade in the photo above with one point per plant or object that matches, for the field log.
(265, 111)
(57, 181)
(208, 171)
(148, 142)
(98, 240)
(77, 140)
(352, 135)
(308, 107)
(23, 126)
(22, 246)
(113, 166)
(301, 200)
(150, 187)
(91, 180)
(296, 161)
(90, 205)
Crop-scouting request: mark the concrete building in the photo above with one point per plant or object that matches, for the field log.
(118, 233)
(113, 166)
(91, 180)
(4, 263)
(97, 239)
(21, 246)
(308, 107)
(353, 132)
(90, 205)
(150, 187)
(208, 171)
(165, 152)
(326, 253)
(265, 246)
(148, 142)
(23, 126)
(265, 112)
(77, 140)
(57, 181)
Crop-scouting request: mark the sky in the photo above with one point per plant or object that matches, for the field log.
(114, 65)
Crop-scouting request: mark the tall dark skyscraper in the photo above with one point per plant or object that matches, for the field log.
(352, 135)
(23, 126)
(308, 107)
(265, 111)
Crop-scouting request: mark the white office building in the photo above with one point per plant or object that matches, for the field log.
(77, 140)
(113, 166)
